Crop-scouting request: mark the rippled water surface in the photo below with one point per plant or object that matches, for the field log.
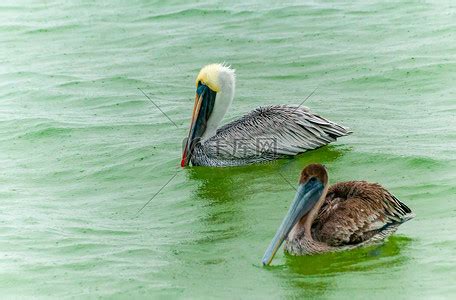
(82, 150)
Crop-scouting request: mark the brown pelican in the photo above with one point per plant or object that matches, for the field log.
(264, 134)
(341, 217)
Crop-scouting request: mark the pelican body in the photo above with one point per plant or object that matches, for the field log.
(264, 134)
(344, 216)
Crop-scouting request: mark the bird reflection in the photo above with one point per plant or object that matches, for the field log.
(299, 272)
(362, 259)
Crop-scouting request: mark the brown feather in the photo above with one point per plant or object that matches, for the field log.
(355, 211)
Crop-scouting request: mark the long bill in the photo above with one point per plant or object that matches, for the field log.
(204, 104)
(306, 197)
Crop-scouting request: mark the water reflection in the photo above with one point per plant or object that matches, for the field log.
(222, 192)
(221, 185)
(314, 275)
(362, 259)
(292, 167)
(218, 185)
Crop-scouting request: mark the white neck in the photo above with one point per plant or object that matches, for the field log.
(314, 212)
(303, 227)
(223, 101)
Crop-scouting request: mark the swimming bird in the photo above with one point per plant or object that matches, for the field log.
(264, 134)
(344, 216)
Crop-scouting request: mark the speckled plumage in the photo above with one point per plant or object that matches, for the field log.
(290, 129)
(353, 214)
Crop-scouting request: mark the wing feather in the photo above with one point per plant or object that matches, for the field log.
(288, 130)
(355, 211)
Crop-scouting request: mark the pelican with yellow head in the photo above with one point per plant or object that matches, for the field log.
(266, 133)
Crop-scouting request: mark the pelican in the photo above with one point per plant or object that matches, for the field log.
(264, 134)
(341, 217)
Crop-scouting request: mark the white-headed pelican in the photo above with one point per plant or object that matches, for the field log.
(341, 217)
(264, 134)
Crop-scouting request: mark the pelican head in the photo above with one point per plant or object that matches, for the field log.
(214, 94)
(312, 183)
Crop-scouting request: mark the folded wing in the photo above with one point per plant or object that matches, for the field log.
(356, 211)
(274, 131)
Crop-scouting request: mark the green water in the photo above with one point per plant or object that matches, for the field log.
(82, 150)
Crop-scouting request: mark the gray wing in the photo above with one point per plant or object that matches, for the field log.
(274, 131)
(355, 211)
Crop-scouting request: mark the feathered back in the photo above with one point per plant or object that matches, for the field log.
(356, 211)
(273, 131)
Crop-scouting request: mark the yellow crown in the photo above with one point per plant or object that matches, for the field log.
(209, 76)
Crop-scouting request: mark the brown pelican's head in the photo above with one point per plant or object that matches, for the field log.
(214, 94)
(317, 171)
(311, 186)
